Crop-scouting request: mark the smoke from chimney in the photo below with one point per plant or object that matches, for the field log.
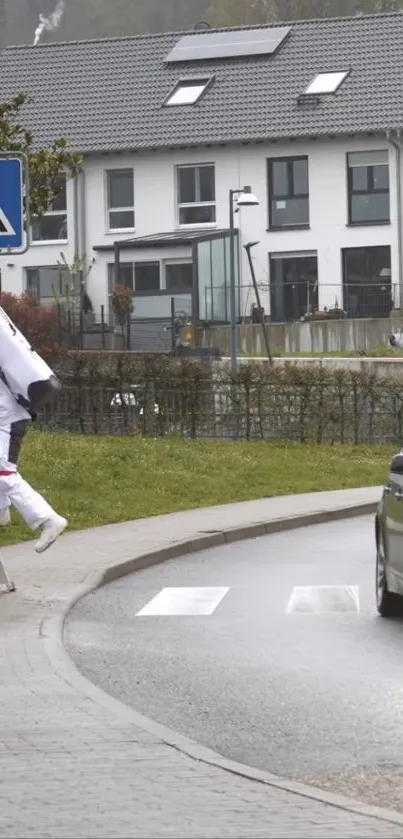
(49, 23)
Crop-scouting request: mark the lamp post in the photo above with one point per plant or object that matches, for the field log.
(246, 198)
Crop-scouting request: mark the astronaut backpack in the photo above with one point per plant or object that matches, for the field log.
(28, 377)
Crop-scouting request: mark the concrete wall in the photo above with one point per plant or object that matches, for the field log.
(331, 336)
(155, 209)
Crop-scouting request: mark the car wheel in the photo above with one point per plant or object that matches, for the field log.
(389, 605)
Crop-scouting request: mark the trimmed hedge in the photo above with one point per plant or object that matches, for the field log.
(204, 399)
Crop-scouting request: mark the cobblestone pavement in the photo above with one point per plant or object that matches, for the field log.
(74, 766)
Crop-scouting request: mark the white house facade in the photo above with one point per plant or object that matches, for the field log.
(321, 244)
(327, 231)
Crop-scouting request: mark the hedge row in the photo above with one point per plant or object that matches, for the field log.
(200, 399)
(120, 369)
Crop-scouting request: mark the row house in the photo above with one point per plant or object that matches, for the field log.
(309, 115)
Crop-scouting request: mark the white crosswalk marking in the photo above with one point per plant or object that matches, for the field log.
(185, 601)
(324, 599)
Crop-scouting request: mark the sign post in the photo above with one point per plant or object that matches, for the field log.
(14, 234)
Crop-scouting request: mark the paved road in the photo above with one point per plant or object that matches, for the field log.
(231, 661)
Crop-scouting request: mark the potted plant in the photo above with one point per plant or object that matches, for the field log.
(335, 312)
(320, 314)
(122, 306)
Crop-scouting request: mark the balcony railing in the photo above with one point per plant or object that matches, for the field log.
(305, 301)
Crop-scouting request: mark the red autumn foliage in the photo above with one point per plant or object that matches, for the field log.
(40, 325)
(122, 303)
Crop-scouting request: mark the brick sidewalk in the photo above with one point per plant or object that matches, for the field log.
(75, 764)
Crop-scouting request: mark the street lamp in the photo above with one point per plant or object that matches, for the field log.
(246, 198)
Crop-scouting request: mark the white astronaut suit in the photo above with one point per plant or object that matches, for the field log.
(25, 383)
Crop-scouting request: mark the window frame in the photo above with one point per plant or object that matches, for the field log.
(110, 270)
(37, 270)
(133, 263)
(293, 286)
(178, 261)
(152, 291)
(370, 284)
(53, 214)
(368, 253)
(203, 82)
(289, 160)
(351, 192)
(127, 209)
(190, 204)
(343, 73)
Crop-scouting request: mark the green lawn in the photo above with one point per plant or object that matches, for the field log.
(99, 480)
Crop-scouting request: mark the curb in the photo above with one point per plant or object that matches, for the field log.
(52, 631)
(212, 539)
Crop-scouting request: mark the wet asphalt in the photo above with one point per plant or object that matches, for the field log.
(311, 695)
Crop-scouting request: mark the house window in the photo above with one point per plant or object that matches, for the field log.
(52, 226)
(138, 276)
(125, 275)
(147, 276)
(187, 92)
(120, 189)
(196, 194)
(178, 276)
(368, 187)
(45, 283)
(367, 282)
(293, 285)
(288, 192)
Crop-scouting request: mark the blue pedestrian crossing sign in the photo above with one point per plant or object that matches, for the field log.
(11, 203)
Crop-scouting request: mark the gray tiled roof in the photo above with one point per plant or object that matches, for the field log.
(107, 95)
(160, 240)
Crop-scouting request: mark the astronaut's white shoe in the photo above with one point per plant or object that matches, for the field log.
(51, 530)
(5, 517)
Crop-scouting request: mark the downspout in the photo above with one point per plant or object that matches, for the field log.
(83, 220)
(80, 239)
(398, 149)
(76, 212)
(75, 256)
(80, 219)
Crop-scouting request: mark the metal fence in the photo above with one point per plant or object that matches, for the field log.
(102, 330)
(290, 302)
(305, 300)
(342, 411)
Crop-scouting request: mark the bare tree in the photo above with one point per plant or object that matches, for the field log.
(244, 12)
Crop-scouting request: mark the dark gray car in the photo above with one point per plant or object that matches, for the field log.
(389, 543)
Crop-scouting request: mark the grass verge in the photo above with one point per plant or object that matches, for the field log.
(100, 480)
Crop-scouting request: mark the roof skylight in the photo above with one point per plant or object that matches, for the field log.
(187, 92)
(326, 82)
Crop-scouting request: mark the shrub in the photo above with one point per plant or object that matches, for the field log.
(200, 398)
(39, 324)
(122, 304)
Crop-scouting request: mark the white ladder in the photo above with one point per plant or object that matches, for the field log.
(5, 581)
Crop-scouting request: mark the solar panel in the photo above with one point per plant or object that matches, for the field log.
(228, 44)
